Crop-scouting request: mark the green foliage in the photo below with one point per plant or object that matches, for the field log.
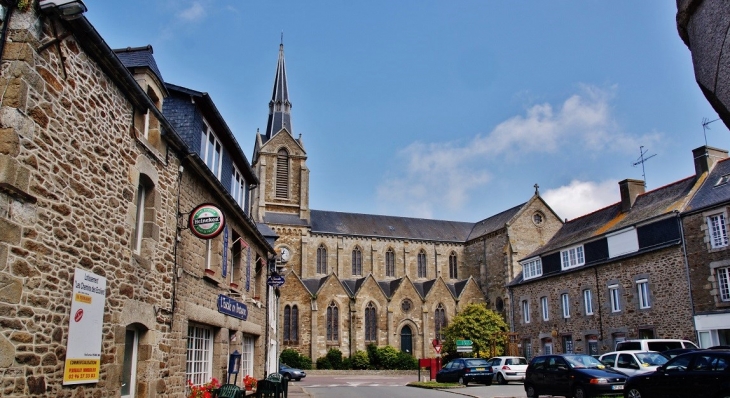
(294, 359)
(372, 350)
(334, 356)
(405, 361)
(484, 327)
(387, 357)
(360, 360)
(323, 363)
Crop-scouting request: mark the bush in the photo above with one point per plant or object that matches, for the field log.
(406, 361)
(372, 351)
(294, 359)
(360, 360)
(334, 356)
(387, 357)
(323, 363)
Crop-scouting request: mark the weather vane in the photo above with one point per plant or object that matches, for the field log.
(641, 160)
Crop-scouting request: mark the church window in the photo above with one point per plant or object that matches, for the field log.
(452, 266)
(282, 174)
(211, 150)
(371, 323)
(333, 323)
(439, 319)
(357, 261)
(390, 263)
(321, 259)
(291, 324)
(422, 264)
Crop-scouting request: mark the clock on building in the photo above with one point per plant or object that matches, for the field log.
(285, 254)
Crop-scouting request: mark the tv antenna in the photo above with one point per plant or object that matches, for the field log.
(641, 160)
(705, 127)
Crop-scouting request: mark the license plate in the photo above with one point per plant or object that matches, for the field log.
(480, 368)
(621, 387)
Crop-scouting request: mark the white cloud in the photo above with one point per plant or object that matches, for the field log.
(582, 197)
(193, 13)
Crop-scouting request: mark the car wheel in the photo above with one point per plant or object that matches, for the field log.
(489, 383)
(286, 376)
(297, 379)
(531, 392)
(580, 393)
(633, 393)
(500, 379)
(463, 382)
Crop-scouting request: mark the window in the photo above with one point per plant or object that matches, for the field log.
(371, 323)
(129, 367)
(452, 266)
(525, 311)
(357, 261)
(568, 344)
(199, 363)
(527, 349)
(421, 264)
(247, 356)
(588, 302)
(723, 281)
(565, 300)
(537, 218)
(291, 324)
(282, 174)
(208, 253)
(210, 150)
(643, 291)
(333, 323)
(390, 263)
(238, 188)
(439, 319)
(321, 259)
(615, 298)
(144, 212)
(718, 230)
(140, 215)
(572, 257)
(544, 306)
(532, 268)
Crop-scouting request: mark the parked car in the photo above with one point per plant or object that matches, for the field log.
(659, 345)
(465, 371)
(633, 362)
(677, 351)
(290, 373)
(508, 369)
(572, 375)
(704, 373)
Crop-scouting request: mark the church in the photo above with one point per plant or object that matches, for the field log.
(358, 279)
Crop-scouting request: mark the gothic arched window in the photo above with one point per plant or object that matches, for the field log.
(291, 324)
(321, 259)
(282, 174)
(357, 261)
(390, 263)
(333, 322)
(439, 318)
(422, 264)
(371, 323)
(452, 266)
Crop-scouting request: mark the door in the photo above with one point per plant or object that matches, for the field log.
(406, 340)
(129, 366)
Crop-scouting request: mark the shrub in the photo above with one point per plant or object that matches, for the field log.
(406, 361)
(334, 356)
(323, 363)
(294, 359)
(387, 357)
(360, 360)
(372, 351)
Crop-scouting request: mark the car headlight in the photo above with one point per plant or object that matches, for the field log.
(600, 380)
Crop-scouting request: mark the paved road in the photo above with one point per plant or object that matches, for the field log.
(376, 386)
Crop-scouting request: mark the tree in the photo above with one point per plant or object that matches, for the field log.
(484, 327)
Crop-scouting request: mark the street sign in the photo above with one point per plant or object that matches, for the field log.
(275, 280)
(464, 348)
(435, 342)
(463, 342)
(438, 348)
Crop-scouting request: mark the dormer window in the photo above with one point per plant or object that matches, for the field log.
(723, 180)
(210, 150)
(531, 268)
(572, 257)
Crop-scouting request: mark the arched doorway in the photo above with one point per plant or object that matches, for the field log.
(406, 340)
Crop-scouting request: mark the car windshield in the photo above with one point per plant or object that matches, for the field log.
(516, 361)
(583, 361)
(651, 358)
(476, 362)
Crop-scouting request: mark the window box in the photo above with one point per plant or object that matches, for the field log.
(209, 272)
(233, 285)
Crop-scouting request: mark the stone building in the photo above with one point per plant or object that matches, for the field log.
(614, 274)
(96, 184)
(355, 279)
(705, 230)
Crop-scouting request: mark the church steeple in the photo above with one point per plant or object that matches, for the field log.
(279, 106)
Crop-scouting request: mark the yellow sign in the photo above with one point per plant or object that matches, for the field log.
(81, 370)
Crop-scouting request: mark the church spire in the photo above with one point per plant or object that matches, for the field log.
(279, 106)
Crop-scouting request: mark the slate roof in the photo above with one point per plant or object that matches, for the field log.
(137, 57)
(279, 107)
(494, 223)
(313, 284)
(457, 287)
(283, 218)
(331, 222)
(648, 205)
(710, 193)
(389, 287)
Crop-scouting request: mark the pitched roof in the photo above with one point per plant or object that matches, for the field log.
(279, 106)
(139, 57)
(494, 223)
(655, 203)
(331, 222)
(712, 192)
(389, 287)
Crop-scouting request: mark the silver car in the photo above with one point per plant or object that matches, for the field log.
(633, 362)
(508, 369)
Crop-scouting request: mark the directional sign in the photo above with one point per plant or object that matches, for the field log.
(464, 348)
(463, 342)
(275, 280)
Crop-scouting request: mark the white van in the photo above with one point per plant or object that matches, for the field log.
(653, 344)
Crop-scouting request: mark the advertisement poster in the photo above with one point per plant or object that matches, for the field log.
(83, 350)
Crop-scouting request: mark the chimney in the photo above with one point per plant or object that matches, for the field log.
(705, 158)
(630, 189)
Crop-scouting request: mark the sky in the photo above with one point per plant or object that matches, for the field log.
(449, 110)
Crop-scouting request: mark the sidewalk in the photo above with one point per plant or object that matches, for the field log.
(296, 391)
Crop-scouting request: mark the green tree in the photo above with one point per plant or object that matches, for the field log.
(484, 327)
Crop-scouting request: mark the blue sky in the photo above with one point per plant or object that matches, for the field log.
(443, 109)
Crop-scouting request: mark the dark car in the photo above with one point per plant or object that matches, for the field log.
(677, 351)
(291, 373)
(465, 371)
(704, 373)
(572, 375)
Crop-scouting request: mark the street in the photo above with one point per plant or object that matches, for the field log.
(355, 386)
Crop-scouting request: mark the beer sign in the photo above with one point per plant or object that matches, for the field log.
(206, 221)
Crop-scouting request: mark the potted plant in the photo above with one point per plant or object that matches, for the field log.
(249, 382)
(204, 390)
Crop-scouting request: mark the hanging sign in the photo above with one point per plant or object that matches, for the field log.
(83, 348)
(206, 221)
(229, 306)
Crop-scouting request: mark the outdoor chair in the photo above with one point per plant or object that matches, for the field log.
(267, 389)
(229, 391)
